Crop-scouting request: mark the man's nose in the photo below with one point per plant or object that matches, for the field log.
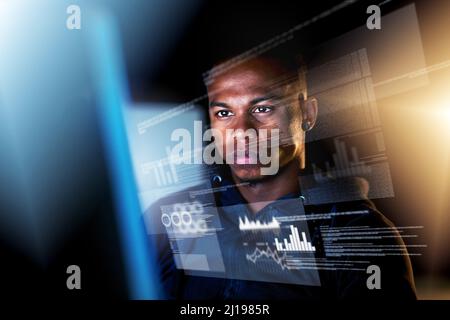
(244, 132)
(243, 123)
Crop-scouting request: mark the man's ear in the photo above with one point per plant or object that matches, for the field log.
(309, 107)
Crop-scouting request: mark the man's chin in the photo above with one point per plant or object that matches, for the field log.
(247, 173)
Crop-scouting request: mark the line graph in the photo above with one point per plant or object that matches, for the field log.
(268, 253)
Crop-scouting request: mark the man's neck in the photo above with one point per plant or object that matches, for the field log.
(260, 193)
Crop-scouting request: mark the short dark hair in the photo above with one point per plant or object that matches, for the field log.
(286, 55)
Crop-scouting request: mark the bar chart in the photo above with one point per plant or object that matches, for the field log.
(163, 176)
(294, 243)
(344, 167)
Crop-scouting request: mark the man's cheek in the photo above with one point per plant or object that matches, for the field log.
(289, 137)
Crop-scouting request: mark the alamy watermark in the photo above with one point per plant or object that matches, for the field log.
(73, 21)
(234, 146)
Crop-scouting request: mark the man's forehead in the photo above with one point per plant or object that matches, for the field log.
(257, 73)
(241, 96)
(240, 81)
(245, 81)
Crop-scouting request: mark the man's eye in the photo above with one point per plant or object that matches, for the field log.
(223, 113)
(262, 109)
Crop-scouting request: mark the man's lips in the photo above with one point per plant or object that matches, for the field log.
(245, 160)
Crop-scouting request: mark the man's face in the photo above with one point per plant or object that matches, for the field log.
(247, 97)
